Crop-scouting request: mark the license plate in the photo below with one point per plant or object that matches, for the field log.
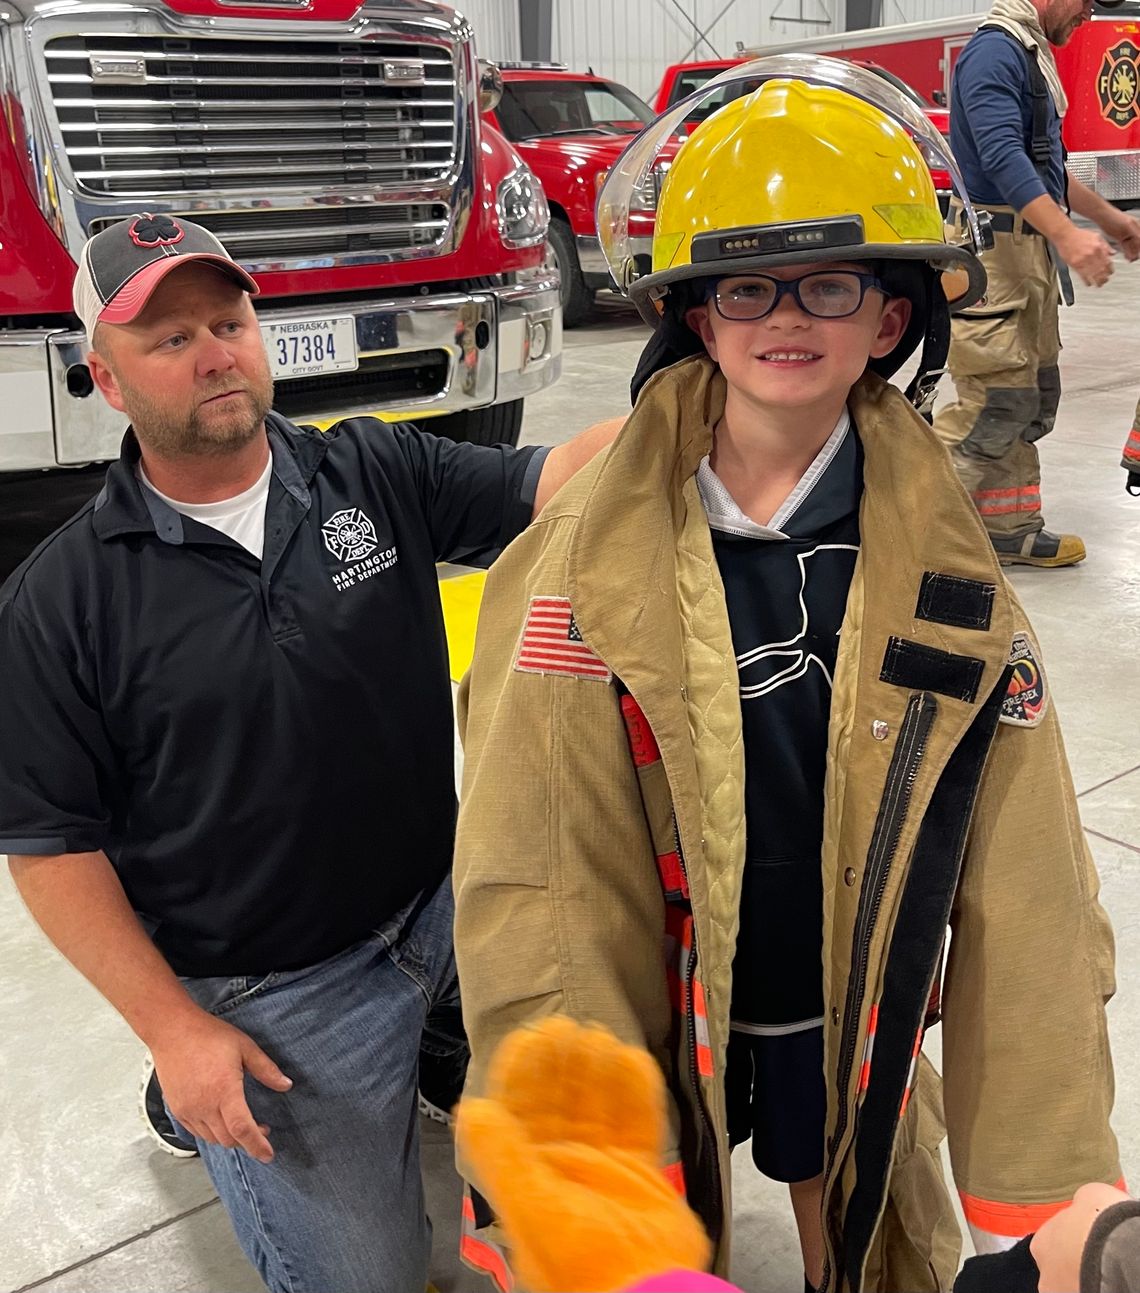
(309, 347)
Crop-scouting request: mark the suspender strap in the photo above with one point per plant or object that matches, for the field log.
(1039, 146)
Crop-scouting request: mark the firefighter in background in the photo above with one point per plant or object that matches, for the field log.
(781, 720)
(1130, 460)
(1005, 131)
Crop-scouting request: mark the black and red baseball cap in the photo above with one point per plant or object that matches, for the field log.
(120, 267)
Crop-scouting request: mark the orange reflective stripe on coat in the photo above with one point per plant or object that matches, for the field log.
(913, 1071)
(674, 1173)
(1011, 1220)
(1132, 447)
(678, 953)
(701, 1024)
(869, 1048)
(481, 1253)
(644, 750)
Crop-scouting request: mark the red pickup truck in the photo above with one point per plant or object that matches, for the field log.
(570, 128)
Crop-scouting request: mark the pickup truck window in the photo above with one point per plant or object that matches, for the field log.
(533, 109)
(694, 79)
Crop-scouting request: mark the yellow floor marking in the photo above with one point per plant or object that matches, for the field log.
(461, 597)
(323, 424)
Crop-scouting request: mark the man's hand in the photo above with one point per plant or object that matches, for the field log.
(79, 902)
(1058, 1246)
(1124, 230)
(1087, 254)
(201, 1068)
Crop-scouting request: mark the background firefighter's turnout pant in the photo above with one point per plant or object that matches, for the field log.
(1003, 359)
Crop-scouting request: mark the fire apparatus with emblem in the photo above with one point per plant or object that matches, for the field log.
(1099, 69)
(337, 150)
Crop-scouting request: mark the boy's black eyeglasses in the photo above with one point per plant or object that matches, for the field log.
(824, 294)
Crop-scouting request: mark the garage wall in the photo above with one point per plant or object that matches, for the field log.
(896, 11)
(633, 42)
(496, 24)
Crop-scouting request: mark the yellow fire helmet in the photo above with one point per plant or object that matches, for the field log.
(816, 160)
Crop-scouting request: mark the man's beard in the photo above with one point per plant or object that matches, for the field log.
(1058, 28)
(203, 433)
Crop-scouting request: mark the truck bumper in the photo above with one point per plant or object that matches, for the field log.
(421, 356)
(1115, 176)
(592, 260)
(418, 357)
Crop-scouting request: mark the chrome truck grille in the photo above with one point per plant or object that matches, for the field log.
(351, 129)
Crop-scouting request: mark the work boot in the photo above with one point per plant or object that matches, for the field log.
(1041, 548)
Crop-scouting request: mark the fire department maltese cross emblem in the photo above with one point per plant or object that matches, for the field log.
(349, 534)
(1118, 84)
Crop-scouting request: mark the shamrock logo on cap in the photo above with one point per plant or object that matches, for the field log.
(155, 231)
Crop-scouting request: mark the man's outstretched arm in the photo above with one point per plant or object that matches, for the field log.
(566, 459)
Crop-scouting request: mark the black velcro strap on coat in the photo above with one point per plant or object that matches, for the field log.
(923, 668)
(950, 599)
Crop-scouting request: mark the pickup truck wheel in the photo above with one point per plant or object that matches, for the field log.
(497, 424)
(577, 298)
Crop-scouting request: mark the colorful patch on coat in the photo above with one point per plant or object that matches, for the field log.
(551, 643)
(1026, 698)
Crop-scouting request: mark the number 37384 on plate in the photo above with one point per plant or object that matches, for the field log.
(309, 347)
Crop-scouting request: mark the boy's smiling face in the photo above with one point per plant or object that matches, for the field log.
(791, 359)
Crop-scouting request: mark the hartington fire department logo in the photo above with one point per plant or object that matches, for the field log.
(349, 534)
(1118, 84)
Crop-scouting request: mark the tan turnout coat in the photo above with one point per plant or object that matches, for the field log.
(936, 813)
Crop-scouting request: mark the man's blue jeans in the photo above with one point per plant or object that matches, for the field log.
(340, 1209)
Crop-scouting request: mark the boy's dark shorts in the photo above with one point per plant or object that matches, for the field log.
(775, 1093)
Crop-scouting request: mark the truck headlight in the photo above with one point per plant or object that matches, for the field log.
(522, 210)
(645, 195)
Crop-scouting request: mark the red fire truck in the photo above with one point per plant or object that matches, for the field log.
(1099, 67)
(335, 147)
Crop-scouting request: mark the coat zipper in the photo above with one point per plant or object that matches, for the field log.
(907, 760)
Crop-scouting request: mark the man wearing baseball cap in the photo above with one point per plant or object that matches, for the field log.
(117, 274)
(226, 768)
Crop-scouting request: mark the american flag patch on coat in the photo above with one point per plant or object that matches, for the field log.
(551, 643)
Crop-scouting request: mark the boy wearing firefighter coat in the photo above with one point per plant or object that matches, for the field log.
(617, 789)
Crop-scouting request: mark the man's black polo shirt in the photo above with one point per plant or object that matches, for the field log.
(262, 748)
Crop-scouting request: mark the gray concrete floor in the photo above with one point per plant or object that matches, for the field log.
(87, 1204)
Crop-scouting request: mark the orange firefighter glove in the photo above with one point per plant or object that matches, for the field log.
(567, 1148)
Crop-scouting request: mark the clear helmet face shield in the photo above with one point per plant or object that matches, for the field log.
(962, 277)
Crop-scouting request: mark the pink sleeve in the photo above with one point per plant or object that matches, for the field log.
(684, 1282)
